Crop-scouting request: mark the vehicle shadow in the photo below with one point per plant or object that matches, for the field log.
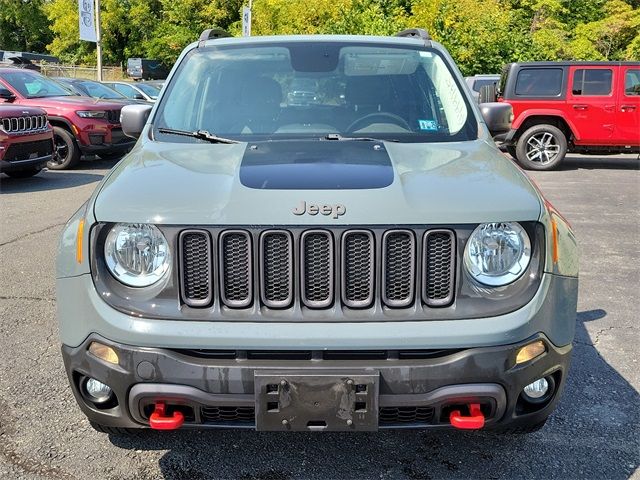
(614, 162)
(592, 434)
(56, 179)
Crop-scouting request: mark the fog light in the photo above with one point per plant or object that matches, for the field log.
(531, 351)
(97, 391)
(537, 389)
(103, 352)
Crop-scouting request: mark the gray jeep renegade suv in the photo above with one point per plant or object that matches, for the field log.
(364, 259)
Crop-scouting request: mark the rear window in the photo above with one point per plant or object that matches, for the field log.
(539, 82)
(478, 84)
(632, 82)
(592, 81)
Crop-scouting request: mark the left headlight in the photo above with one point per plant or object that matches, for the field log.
(497, 254)
(137, 254)
(92, 113)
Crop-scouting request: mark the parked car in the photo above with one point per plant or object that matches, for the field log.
(477, 82)
(154, 83)
(26, 140)
(367, 261)
(81, 125)
(136, 91)
(560, 107)
(146, 69)
(91, 88)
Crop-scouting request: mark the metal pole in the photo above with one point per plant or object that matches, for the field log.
(99, 40)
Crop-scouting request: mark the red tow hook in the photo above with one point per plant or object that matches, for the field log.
(158, 420)
(473, 422)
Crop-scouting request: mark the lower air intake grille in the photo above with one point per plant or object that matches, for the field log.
(236, 267)
(228, 414)
(439, 265)
(405, 415)
(317, 268)
(357, 268)
(277, 269)
(196, 268)
(398, 265)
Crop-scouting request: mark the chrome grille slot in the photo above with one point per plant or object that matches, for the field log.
(236, 268)
(358, 268)
(276, 266)
(196, 268)
(398, 268)
(23, 124)
(438, 267)
(317, 265)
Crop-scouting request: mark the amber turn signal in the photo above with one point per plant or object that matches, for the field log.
(531, 351)
(79, 237)
(103, 352)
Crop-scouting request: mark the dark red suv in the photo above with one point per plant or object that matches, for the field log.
(584, 107)
(81, 125)
(26, 140)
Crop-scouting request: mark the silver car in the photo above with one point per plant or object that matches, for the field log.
(367, 260)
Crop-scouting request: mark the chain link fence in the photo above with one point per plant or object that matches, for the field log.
(75, 71)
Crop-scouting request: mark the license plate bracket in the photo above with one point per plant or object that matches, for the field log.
(316, 401)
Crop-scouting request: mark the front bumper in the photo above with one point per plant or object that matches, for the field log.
(215, 389)
(38, 162)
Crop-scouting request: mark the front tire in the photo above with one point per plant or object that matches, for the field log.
(26, 173)
(67, 152)
(541, 147)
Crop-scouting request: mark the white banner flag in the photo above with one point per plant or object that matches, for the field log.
(246, 22)
(87, 21)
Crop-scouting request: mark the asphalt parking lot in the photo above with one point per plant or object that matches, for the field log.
(595, 433)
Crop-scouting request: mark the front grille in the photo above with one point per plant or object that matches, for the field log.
(316, 355)
(27, 150)
(228, 414)
(405, 415)
(317, 269)
(439, 266)
(398, 268)
(196, 268)
(358, 268)
(387, 416)
(236, 268)
(24, 124)
(113, 116)
(306, 267)
(276, 251)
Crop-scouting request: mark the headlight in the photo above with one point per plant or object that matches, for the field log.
(92, 113)
(137, 254)
(497, 253)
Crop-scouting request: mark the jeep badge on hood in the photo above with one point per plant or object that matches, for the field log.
(334, 211)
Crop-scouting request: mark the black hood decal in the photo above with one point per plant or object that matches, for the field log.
(316, 165)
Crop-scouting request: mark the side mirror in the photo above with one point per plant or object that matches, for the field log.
(498, 117)
(7, 95)
(138, 96)
(133, 119)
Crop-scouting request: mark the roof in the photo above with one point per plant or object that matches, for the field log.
(565, 63)
(409, 41)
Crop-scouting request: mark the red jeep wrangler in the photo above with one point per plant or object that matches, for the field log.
(26, 140)
(81, 125)
(583, 107)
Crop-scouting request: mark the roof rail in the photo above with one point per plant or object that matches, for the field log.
(212, 34)
(415, 33)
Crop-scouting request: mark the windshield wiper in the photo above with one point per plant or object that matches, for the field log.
(338, 137)
(199, 134)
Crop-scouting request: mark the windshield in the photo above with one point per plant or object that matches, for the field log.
(300, 89)
(148, 89)
(34, 85)
(98, 90)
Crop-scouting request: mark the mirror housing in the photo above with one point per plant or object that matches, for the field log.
(6, 94)
(133, 119)
(498, 117)
(138, 96)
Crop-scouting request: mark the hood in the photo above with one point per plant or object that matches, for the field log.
(12, 110)
(440, 183)
(72, 100)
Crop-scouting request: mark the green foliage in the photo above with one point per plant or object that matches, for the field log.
(482, 35)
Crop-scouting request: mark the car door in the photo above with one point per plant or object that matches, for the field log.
(591, 103)
(628, 111)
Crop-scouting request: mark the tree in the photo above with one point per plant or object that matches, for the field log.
(24, 26)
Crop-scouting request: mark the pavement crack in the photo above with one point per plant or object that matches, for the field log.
(28, 234)
(18, 297)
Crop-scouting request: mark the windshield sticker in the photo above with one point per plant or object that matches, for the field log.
(428, 125)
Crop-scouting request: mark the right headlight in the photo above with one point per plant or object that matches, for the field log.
(137, 254)
(497, 254)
